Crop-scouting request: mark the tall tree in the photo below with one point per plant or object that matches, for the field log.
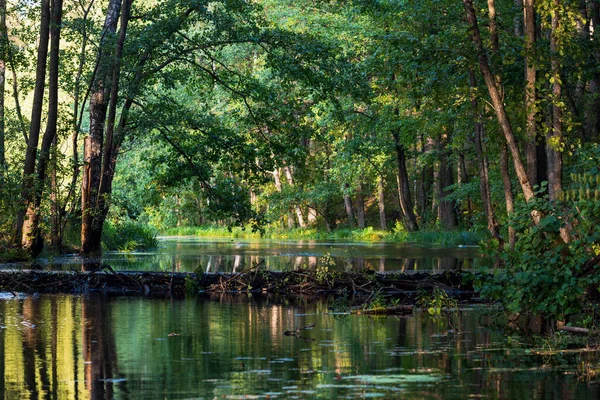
(529, 24)
(104, 85)
(3, 51)
(482, 162)
(408, 215)
(497, 102)
(29, 181)
(32, 236)
(555, 140)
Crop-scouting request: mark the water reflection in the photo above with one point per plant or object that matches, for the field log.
(227, 255)
(190, 254)
(93, 347)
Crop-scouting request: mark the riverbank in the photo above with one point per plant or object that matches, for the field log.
(441, 238)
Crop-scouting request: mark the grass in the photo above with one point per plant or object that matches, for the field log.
(441, 238)
(128, 236)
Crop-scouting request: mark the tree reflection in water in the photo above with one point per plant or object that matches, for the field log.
(99, 347)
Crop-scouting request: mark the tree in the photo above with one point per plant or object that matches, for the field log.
(104, 91)
(29, 182)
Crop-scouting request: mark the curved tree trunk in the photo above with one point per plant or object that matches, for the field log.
(408, 216)
(497, 103)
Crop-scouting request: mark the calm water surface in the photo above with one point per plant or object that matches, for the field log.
(94, 347)
(189, 254)
(98, 347)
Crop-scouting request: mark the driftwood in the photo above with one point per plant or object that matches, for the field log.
(255, 280)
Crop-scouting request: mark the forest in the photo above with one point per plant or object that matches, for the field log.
(388, 117)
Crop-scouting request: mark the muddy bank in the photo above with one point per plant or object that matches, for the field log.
(456, 284)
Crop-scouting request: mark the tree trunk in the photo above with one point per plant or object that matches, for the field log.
(446, 208)
(32, 237)
(77, 119)
(348, 206)
(3, 46)
(530, 91)
(381, 203)
(508, 194)
(484, 177)
(113, 133)
(28, 186)
(297, 209)
(312, 215)
(554, 140)
(408, 216)
(497, 103)
(425, 182)
(279, 187)
(463, 179)
(360, 207)
(592, 122)
(518, 22)
(56, 223)
(91, 218)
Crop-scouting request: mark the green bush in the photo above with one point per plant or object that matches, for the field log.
(543, 275)
(128, 236)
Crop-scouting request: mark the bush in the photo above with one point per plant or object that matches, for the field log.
(128, 236)
(543, 275)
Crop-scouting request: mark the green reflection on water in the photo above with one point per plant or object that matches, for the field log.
(67, 347)
(188, 254)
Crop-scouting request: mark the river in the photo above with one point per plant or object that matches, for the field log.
(93, 346)
(193, 254)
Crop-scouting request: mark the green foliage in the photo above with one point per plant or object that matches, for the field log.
(11, 254)
(435, 302)
(378, 301)
(323, 273)
(191, 285)
(441, 238)
(128, 236)
(543, 275)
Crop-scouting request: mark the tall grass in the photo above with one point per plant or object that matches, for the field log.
(128, 236)
(440, 238)
(212, 231)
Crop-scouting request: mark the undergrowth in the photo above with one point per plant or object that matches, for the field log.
(440, 238)
(128, 236)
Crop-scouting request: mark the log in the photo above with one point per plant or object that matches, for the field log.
(254, 281)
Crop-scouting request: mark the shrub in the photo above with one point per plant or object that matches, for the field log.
(543, 275)
(128, 236)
